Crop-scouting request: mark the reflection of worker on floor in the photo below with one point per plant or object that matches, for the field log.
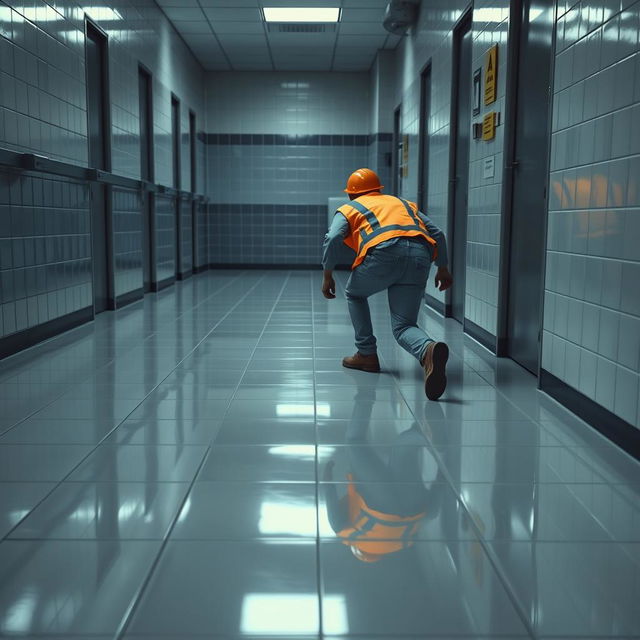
(386, 499)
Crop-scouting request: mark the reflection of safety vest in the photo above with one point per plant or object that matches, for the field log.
(375, 218)
(376, 532)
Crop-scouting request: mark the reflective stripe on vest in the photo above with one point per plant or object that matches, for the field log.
(367, 230)
(367, 213)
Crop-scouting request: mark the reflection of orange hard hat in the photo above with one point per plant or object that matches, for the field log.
(363, 180)
(365, 556)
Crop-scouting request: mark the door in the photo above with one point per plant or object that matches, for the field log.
(425, 113)
(98, 131)
(146, 173)
(529, 205)
(461, 120)
(397, 152)
(175, 150)
(194, 187)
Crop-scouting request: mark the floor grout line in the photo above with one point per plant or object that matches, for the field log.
(135, 602)
(108, 434)
(509, 590)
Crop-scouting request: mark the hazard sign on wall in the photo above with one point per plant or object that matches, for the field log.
(489, 126)
(491, 75)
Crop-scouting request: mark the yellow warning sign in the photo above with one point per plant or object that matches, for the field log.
(489, 126)
(491, 75)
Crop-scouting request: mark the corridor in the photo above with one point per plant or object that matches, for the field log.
(177, 468)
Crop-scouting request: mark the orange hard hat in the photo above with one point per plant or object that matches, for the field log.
(363, 180)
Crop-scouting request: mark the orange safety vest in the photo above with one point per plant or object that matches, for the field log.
(374, 218)
(372, 531)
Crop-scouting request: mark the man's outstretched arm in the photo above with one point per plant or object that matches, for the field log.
(443, 278)
(331, 248)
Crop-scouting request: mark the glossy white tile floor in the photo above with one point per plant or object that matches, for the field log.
(174, 469)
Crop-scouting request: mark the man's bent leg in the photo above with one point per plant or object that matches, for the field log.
(405, 301)
(360, 286)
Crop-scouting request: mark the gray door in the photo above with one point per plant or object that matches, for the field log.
(460, 177)
(425, 113)
(175, 148)
(146, 173)
(97, 106)
(529, 183)
(194, 186)
(397, 153)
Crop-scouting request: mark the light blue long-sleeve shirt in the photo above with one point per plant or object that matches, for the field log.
(334, 251)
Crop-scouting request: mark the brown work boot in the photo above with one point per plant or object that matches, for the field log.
(362, 362)
(434, 363)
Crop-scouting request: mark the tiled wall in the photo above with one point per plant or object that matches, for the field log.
(280, 143)
(591, 337)
(201, 259)
(43, 111)
(186, 237)
(382, 108)
(45, 250)
(127, 241)
(165, 237)
(490, 26)
(431, 40)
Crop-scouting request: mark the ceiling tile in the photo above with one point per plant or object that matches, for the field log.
(299, 3)
(362, 42)
(362, 15)
(189, 4)
(226, 3)
(260, 65)
(183, 13)
(362, 28)
(192, 26)
(305, 41)
(233, 14)
(365, 4)
(249, 42)
(201, 40)
(238, 27)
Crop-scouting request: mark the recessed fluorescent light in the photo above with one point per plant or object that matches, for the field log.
(301, 14)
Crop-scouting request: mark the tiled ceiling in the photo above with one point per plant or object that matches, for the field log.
(230, 35)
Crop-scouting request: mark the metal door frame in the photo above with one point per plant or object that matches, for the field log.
(466, 17)
(147, 195)
(193, 152)
(508, 178)
(105, 81)
(395, 165)
(424, 135)
(177, 179)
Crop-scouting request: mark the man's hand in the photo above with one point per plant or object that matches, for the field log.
(328, 285)
(444, 279)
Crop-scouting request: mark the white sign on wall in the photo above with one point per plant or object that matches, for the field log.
(489, 167)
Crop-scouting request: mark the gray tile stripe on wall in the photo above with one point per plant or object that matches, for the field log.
(259, 139)
(253, 233)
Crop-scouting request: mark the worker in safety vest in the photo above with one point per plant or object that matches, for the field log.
(394, 246)
(386, 500)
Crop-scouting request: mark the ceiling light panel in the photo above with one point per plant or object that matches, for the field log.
(301, 14)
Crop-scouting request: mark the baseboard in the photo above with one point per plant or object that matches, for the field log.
(265, 267)
(183, 275)
(197, 270)
(481, 335)
(435, 304)
(16, 342)
(162, 284)
(625, 435)
(127, 298)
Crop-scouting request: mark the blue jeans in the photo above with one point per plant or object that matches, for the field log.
(403, 269)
